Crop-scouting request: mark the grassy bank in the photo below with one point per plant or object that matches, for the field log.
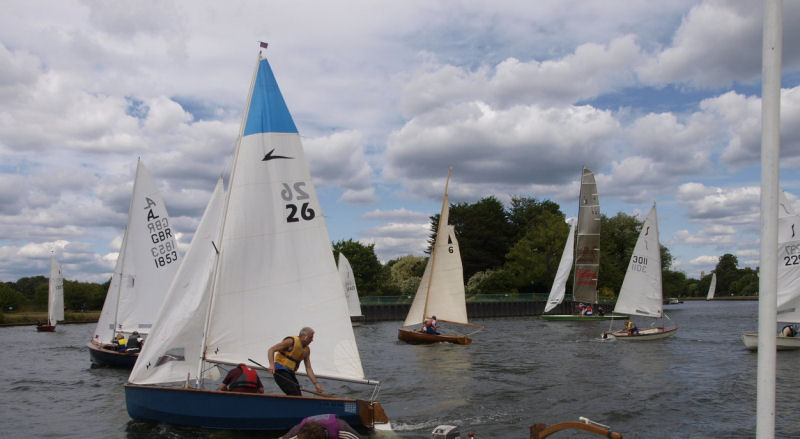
(31, 317)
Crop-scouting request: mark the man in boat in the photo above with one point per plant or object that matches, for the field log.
(631, 327)
(134, 343)
(431, 326)
(284, 359)
(242, 379)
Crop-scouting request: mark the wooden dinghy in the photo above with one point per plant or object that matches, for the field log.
(417, 336)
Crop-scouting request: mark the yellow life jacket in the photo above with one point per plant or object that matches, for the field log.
(291, 359)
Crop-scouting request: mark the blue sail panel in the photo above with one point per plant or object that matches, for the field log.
(268, 112)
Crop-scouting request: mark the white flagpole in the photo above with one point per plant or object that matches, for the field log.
(771, 53)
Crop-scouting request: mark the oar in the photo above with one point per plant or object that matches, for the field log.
(284, 378)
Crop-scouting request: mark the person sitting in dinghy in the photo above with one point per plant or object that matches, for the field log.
(134, 343)
(631, 327)
(242, 379)
(432, 326)
(789, 331)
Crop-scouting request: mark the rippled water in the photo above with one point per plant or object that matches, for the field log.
(518, 371)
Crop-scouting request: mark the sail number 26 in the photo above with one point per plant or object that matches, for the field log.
(297, 209)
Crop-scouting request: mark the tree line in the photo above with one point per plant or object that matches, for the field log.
(513, 250)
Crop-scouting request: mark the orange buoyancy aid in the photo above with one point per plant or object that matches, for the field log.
(290, 359)
(248, 379)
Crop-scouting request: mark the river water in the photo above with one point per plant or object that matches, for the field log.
(519, 371)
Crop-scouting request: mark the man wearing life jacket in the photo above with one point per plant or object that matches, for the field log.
(432, 326)
(242, 379)
(328, 426)
(284, 359)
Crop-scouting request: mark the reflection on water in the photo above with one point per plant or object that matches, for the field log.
(701, 383)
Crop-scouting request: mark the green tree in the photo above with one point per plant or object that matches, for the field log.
(525, 212)
(367, 269)
(746, 284)
(483, 233)
(9, 297)
(727, 272)
(673, 283)
(406, 273)
(532, 262)
(617, 241)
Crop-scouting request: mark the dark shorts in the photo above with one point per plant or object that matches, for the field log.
(287, 381)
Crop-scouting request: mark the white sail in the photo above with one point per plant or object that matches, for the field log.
(441, 291)
(712, 287)
(275, 272)
(788, 262)
(55, 296)
(640, 293)
(147, 262)
(173, 348)
(349, 283)
(562, 273)
(587, 241)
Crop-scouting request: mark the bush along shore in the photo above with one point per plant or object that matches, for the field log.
(23, 318)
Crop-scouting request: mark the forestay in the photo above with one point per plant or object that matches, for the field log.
(148, 260)
(640, 293)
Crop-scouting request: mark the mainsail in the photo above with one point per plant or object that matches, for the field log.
(274, 272)
(712, 287)
(148, 260)
(587, 241)
(788, 262)
(441, 290)
(55, 295)
(640, 293)
(349, 283)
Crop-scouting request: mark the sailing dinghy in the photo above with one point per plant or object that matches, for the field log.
(788, 277)
(441, 290)
(55, 298)
(148, 260)
(641, 291)
(259, 268)
(582, 247)
(350, 291)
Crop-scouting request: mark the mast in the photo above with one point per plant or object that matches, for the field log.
(218, 248)
(443, 219)
(771, 53)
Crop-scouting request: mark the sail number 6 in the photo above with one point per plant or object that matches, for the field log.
(296, 193)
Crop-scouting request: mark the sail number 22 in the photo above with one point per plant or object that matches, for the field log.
(297, 208)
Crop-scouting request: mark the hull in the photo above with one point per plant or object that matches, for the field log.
(45, 328)
(578, 317)
(782, 343)
(643, 335)
(242, 411)
(412, 336)
(107, 357)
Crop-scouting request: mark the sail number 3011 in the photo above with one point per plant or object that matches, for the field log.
(639, 263)
(297, 208)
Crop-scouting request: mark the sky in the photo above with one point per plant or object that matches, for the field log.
(661, 100)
